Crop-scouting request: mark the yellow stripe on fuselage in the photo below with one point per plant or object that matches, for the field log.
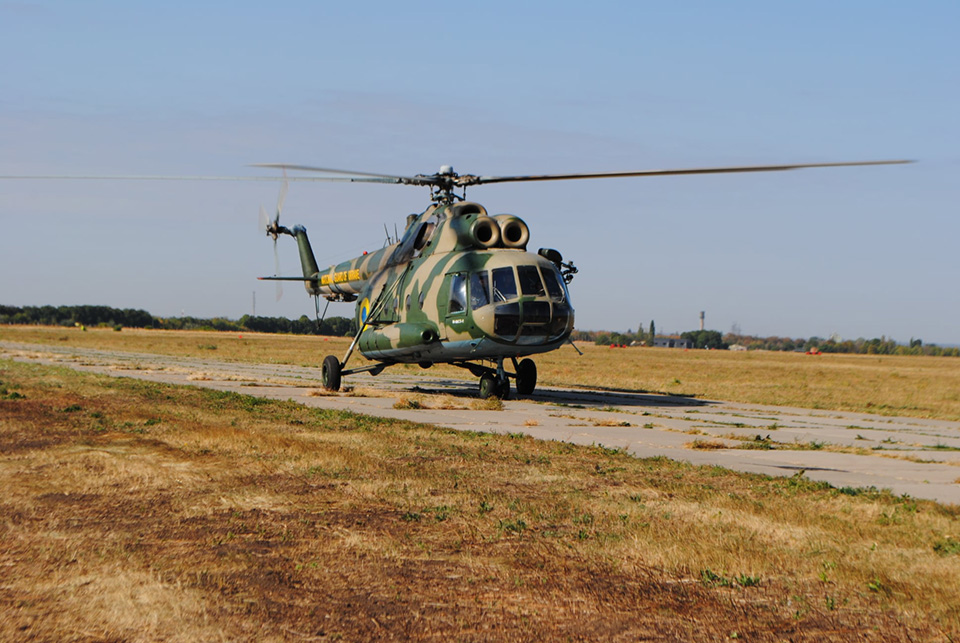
(340, 277)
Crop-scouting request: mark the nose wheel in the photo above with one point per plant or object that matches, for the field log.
(497, 383)
(493, 386)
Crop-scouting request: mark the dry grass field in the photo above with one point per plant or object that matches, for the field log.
(139, 511)
(888, 385)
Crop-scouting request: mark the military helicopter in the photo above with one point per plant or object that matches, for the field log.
(459, 285)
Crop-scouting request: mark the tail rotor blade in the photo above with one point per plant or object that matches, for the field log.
(264, 221)
(284, 187)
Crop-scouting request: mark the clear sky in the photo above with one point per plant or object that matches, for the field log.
(496, 88)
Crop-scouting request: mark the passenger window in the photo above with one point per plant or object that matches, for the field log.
(479, 290)
(530, 283)
(552, 277)
(504, 284)
(458, 294)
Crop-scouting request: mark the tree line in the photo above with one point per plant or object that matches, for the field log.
(707, 339)
(860, 346)
(117, 318)
(712, 339)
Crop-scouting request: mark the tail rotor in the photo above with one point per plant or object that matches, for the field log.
(274, 229)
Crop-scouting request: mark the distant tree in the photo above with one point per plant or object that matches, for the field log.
(711, 339)
(582, 336)
(653, 332)
(339, 326)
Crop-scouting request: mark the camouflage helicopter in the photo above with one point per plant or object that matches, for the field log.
(459, 285)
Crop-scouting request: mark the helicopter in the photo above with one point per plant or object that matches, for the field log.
(459, 286)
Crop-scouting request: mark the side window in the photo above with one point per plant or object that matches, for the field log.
(504, 284)
(530, 283)
(479, 290)
(458, 294)
(552, 277)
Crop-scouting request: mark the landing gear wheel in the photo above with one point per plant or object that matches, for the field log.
(526, 377)
(488, 386)
(330, 373)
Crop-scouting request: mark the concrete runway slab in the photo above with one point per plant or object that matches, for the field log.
(911, 456)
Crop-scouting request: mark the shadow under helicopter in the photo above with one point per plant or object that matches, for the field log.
(587, 398)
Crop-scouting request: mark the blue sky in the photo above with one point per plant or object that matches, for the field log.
(496, 88)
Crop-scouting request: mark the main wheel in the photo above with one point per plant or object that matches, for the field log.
(330, 373)
(526, 377)
(488, 385)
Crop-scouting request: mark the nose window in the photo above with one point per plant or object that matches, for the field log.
(530, 283)
(504, 284)
(479, 290)
(553, 284)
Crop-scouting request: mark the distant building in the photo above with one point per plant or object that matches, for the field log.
(671, 342)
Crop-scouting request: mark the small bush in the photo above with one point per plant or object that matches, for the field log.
(705, 444)
(947, 547)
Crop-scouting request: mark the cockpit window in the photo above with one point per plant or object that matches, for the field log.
(554, 287)
(530, 283)
(458, 294)
(479, 290)
(504, 284)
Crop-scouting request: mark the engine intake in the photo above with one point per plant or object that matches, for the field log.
(513, 231)
(485, 232)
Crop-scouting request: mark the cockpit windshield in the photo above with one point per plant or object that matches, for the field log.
(555, 285)
(504, 284)
(530, 282)
(479, 290)
(533, 280)
(521, 313)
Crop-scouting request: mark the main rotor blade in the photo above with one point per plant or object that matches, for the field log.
(311, 168)
(478, 180)
(441, 180)
(147, 177)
